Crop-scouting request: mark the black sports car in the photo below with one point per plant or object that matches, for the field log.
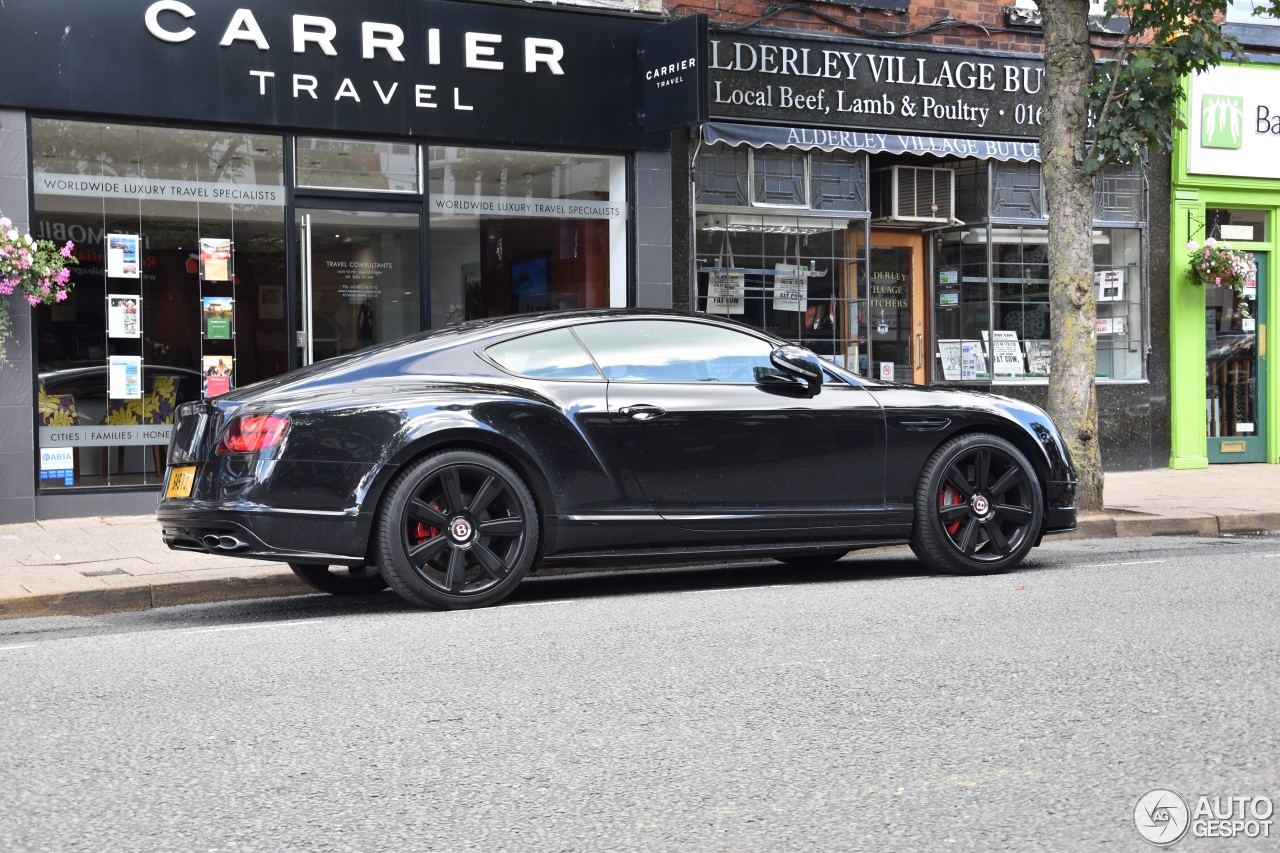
(451, 463)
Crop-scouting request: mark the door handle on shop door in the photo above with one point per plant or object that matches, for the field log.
(642, 412)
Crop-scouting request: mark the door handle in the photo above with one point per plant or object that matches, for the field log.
(642, 412)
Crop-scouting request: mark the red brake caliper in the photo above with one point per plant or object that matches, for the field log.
(950, 497)
(421, 532)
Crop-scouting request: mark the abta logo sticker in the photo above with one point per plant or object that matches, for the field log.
(1161, 817)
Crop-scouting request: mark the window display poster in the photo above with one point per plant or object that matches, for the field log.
(949, 355)
(1038, 357)
(790, 287)
(122, 256)
(124, 377)
(1110, 285)
(1110, 325)
(1006, 355)
(124, 315)
(217, 374)
(218, 316)
(726, 293)
(215, 259)
(973, 361)
(58, 463)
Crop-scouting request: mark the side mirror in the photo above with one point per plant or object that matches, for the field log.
(801, 364)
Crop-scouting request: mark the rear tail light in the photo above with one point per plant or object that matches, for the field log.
(252, 433)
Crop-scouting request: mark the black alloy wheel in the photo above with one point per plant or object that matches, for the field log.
(341, 580)
(457, 529)
(978, 506)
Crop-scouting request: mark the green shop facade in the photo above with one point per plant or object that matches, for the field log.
(1226, 189)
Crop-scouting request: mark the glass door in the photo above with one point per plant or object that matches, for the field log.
(361, 284)
(1235, 371)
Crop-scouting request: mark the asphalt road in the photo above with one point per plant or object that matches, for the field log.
(867, 706)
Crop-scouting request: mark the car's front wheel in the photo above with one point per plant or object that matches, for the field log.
(341, 580)
(978, 506)
(457, 529)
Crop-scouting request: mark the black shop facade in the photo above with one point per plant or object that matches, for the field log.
(252, 186)
(882, 204)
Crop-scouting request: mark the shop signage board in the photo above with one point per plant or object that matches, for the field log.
(874, 85)
(672, 62)
(1233, 122)
(519, 74)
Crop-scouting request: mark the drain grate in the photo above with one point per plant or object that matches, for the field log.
(103, 573)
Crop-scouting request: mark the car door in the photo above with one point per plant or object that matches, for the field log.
(714, 449)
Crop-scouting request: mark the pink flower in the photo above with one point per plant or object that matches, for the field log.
(33, 300)
(61, 295)
(64, 275)
(1217, 280)
(66, 250)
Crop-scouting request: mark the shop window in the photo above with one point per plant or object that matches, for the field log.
(991, 310)
(350, 164)
(796, 277)
(839, 181)
(179, 291)
(779, 179)
(1241, 226)
(521, 231)
(1017, 191)
(721, 176)
(1120, 195)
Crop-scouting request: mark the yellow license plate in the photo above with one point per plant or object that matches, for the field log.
(181, 480)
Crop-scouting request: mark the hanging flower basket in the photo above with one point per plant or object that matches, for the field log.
(35, 269)
(1218, 265)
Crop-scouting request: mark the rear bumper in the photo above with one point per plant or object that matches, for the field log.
(255, 533)
(1060, 506)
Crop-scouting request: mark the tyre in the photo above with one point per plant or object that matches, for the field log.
(806, 560)
(978, 506)
(341, 580)
(457, 529)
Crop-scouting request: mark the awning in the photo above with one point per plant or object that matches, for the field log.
(826, 139)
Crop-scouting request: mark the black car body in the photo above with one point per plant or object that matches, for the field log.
(452, 462)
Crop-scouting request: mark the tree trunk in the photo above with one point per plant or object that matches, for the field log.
(1068, 65)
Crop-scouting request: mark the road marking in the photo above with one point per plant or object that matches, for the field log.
(1134, 563)
(11, 648)
(288, 624)
(530, 604)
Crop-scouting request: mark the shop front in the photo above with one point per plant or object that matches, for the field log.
(256, 187)
(1226, 184)
(883, 205)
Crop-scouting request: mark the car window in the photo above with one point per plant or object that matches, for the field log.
(546, 355)
(674, 351)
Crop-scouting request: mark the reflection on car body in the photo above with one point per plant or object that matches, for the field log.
(450, 464)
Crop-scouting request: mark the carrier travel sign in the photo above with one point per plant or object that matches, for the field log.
(875, 86)
(1233, 122)
(521, 74)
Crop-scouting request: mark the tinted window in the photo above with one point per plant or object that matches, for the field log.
(546, 355)
(674, 351)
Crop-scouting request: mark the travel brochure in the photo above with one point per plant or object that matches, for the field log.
(124, 315)
(217, 317)
(217, 374)
(215, 259)
(122, 256)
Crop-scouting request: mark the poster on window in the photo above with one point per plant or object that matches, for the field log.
(1110, 284)
(124, 377)
(218, 317)
(217, 374)
(1110, 325)
(215, 259)
(726, 292)
(1038, 357)
(1006, 355)
(790, 287)
(122, 256)
(973, 361)
(124, 315)
(949, 355)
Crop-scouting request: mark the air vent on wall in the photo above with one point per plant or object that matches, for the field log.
(911, 194)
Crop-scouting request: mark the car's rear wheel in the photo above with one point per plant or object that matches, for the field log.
(825, 558)
(457, 529)
(978, 506)
(341, 580)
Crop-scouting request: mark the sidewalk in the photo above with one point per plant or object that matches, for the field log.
(84, 566)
